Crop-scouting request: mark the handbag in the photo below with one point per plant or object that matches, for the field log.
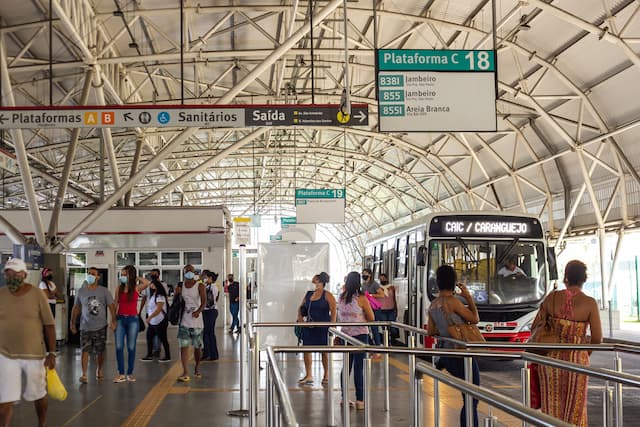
(467, 332)
(298, 331)
(543, 331)
(534, 386)
(141, 325)
(55, 388)
(373, 302)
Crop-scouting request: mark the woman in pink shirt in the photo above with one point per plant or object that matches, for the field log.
(126, 299)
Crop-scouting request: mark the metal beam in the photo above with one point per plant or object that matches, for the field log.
(21, 151)
(113, 198)
(69, 159)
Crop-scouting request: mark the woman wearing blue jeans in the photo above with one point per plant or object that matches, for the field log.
(126, 298)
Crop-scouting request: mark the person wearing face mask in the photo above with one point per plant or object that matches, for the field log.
(318, 305)
(376, 291)
(388, 308)
(91, 304)
(209, 316)
(26, 324)
(154, 276)
(49, 289)
(127, 294)
(191, 324)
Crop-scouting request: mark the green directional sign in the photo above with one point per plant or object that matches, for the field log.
(320, 205)
(436, 90)
(436, 60)
(288, 220)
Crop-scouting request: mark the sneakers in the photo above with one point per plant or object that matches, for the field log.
(147, 359)
(120, 379)
(165, 360)
(131, 378)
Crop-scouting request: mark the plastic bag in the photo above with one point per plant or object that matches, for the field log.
(55, 388)
(375, 304)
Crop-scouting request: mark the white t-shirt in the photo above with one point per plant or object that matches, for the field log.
(51, 287)
(214, 290)
(505, 272)
(152, 304)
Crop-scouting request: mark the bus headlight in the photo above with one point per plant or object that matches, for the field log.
(526, 327)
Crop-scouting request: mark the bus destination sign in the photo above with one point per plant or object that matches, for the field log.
(478, 225)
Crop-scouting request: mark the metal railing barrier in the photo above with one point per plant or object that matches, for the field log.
(612, 404)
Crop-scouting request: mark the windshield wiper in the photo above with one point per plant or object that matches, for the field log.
(467, 252)
(506, 252)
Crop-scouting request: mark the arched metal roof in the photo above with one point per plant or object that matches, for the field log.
(568, 109)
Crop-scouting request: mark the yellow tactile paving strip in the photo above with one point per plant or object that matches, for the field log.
(141, 416)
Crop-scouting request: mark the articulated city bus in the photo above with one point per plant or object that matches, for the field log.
(479, 246)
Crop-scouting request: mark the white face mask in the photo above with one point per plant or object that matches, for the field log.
(312, 287)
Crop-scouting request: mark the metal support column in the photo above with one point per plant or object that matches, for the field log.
(331, 413)
(385, 360)
(468, 399)
(617, 366)
(413, 398)
(525, 380)
(243, 411)
(367, 391)
(345, 390)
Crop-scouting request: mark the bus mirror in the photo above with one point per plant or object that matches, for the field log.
(551, 261)
(421, 256)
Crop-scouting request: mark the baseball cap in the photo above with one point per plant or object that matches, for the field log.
(16, 264)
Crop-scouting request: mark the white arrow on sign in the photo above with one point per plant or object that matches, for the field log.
(361, 116)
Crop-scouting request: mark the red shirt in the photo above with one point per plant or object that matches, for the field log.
(126, 306)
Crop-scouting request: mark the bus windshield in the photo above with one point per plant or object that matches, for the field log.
(495, 272)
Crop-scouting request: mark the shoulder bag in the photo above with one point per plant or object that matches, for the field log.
(543, 330)
(467, 332)
(141, 324)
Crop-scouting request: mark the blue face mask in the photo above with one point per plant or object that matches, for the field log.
(91, 279)
(124, 280)
(189, 275)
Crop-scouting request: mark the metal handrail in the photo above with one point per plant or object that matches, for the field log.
(468, 350)
(507, 404)
(281, 390)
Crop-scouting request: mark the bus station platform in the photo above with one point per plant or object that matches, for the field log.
(158, 399)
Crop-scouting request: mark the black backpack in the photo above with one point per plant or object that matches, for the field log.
(174, 314)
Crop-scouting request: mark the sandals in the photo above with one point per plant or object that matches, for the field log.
(197, 375)
(184, 378)
(84, 379)
(305, 381)
(325, 381)
(99, 376)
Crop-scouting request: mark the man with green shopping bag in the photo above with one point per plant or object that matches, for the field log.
(26, 323)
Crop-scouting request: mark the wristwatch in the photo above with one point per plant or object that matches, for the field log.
(51, 353)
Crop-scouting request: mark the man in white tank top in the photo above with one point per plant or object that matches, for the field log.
(191, 324)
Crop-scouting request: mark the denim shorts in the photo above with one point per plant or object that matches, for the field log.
(188, 337)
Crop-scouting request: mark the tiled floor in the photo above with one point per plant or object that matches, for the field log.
(156, 399)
